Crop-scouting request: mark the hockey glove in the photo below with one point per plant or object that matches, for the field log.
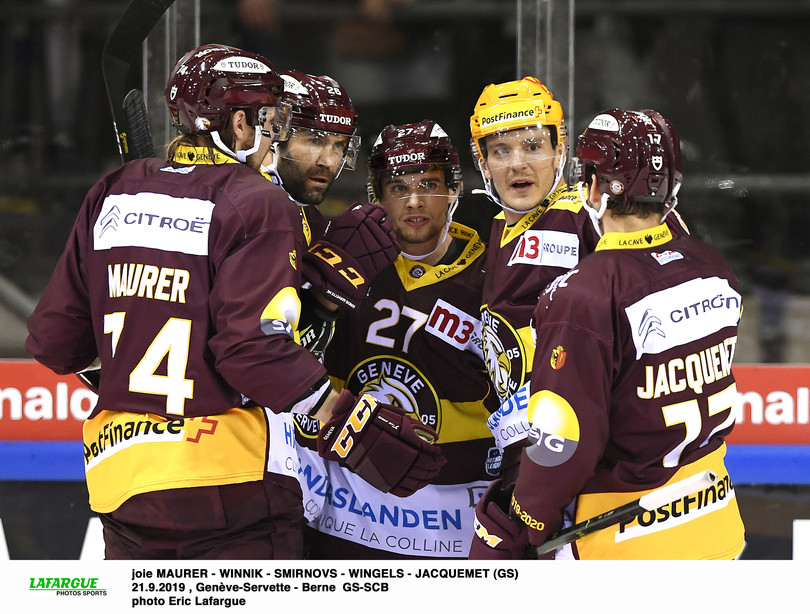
(497, 536)
(357, 245)
(91, 376)
(380, 443)
(316, 326)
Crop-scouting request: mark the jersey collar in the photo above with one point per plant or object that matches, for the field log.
(524, 223)
(188, 154)
(415, 274)
(649, 237)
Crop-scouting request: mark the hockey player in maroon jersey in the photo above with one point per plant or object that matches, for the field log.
(323, 141)
(323, 137)
(631, 385)
(544, 228)
(519, 145)
(415, 343)
(182, 276)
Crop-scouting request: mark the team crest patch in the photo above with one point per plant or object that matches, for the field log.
(417, 271)
(399, 383)
(493, 462)
(503, 353)
(558, 355)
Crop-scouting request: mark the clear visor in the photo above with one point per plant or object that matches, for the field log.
(275, 121)
(520, 146)
(320, 147)
(427, 184)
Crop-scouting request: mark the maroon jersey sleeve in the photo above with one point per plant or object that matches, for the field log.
(571, 382)
(60, 328)
(183, 280)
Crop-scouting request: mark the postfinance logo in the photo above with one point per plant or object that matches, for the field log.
(554, 433)
(70, 586)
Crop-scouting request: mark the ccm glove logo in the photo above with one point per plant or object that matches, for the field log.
(357, 420)
(332, 259)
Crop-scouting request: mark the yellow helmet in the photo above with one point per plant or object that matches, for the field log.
(514, 104)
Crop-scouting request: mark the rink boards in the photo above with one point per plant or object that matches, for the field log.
(41, 416)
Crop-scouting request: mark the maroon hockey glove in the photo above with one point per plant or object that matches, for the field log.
(497, 536)
(357, 245)
(380, 443)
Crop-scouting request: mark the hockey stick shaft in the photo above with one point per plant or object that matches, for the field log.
(120, 52)
(649, 502)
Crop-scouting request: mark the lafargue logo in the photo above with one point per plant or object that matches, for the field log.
(412, 158)
(71, 586)
(397, 382)
(503, 354)
(331, 118)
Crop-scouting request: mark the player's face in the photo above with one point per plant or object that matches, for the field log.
(417, 204)
(308, 163)
(245, 138)
(522, 165)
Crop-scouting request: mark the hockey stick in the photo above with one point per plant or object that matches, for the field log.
(648, 503)
(120, 52)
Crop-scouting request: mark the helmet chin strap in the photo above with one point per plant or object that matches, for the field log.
(673, 200)
(239, 154)
(451, 209)
(596, 214)
(602, 206)
(439, 243)
(497, 200)
(272, 168)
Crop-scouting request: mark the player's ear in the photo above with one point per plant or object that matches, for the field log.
(594, 195)
(485, 169)
(239, 125)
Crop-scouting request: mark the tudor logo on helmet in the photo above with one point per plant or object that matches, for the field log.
(330, 118)
(409, 148)
(318, 103)
(241, 64)
(211, 81)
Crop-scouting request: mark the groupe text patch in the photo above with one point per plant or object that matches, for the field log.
(81, 586)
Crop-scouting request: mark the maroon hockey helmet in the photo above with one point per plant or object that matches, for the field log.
(318, 103)
(412, 148)
(636, 156)
(208, 82)
(321, 104)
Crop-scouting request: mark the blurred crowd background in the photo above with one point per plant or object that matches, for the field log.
(732, 75)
